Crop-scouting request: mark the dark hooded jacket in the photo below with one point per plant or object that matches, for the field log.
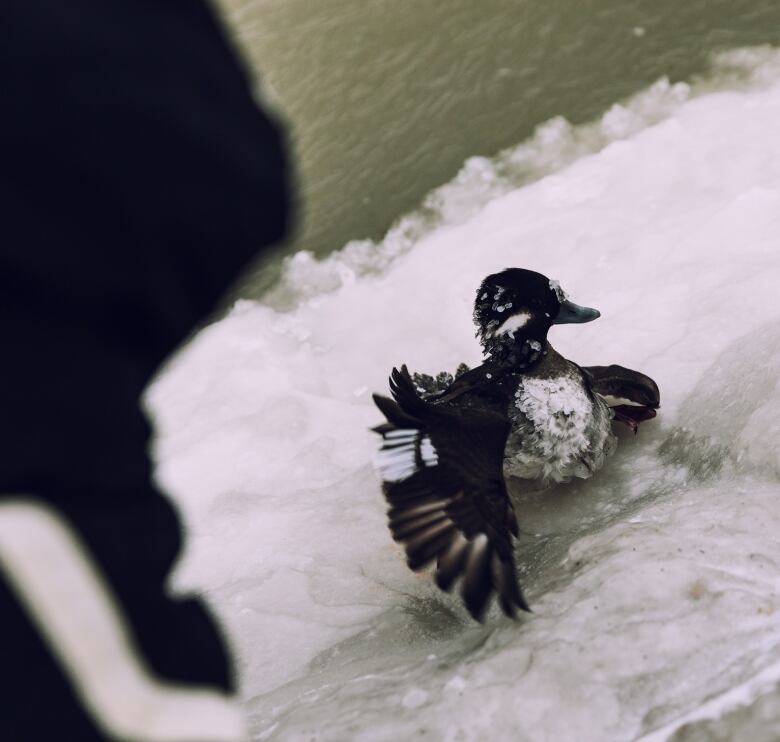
(138, 177)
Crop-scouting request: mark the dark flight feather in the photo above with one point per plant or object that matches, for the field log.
(442, 466)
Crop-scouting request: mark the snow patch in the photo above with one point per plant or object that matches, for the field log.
(667, 210)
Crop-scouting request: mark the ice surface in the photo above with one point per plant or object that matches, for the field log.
(654, 584)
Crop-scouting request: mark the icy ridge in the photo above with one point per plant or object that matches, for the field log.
(554, 145)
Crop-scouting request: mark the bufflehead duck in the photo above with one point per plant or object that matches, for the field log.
(526, 412)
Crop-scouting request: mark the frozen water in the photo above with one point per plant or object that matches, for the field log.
(555, 145)
(654, 584)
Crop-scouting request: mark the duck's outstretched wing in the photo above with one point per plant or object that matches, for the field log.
(442, 468)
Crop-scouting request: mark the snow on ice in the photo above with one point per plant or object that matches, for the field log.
(655, 584)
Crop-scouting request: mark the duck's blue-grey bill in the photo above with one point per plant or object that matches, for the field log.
(573, 313)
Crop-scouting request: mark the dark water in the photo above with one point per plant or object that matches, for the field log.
(385, 99)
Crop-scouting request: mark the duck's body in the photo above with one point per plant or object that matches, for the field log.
(527, 412)
(561, 429)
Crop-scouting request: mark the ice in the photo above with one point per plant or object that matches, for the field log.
(654, 584)
(555, 145)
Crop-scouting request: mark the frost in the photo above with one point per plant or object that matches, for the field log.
(559, 292)
(414, 698)
(456, 684)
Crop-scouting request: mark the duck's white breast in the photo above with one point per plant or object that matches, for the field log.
(558, 430)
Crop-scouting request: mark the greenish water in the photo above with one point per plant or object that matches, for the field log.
(385, 99)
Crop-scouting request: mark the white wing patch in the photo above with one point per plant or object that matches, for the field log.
(397, 463)
(401, 453)
(401, 433)
(613, 401)
(428, 452)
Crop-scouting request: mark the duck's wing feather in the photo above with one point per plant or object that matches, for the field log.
(442, 467)
(632, 396)
(432, 387)
(623, 383)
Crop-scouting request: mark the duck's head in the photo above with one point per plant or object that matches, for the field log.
(515, 309)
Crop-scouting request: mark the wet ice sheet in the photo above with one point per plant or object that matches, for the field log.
(654, 585)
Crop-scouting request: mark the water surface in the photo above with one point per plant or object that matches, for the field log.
(386, 98)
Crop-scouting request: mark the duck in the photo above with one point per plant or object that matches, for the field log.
(450, 443)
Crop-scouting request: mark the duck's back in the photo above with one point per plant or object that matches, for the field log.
(560, 429)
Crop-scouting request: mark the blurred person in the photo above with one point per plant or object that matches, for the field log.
(137, 178)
